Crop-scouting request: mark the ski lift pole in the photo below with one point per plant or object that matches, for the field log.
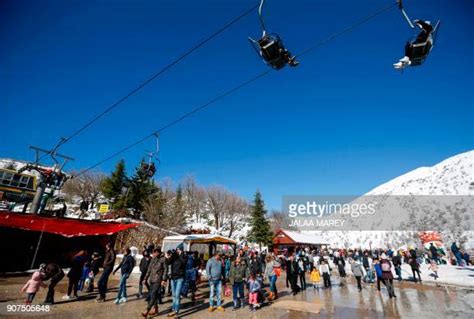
(405, 15)
(40, 189)
(262, 23)
(37, 246)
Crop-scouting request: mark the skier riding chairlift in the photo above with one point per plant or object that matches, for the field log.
(417, 50)
(270, 47)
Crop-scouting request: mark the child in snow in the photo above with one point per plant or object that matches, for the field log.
(254, 288)
(434, 268)
(32, 286)
(315, 277)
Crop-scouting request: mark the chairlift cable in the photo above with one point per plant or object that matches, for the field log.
(238, 87)
(348, 29)
(151, 78)
(179, 119)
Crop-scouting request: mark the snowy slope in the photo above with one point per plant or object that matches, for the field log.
(453, 176)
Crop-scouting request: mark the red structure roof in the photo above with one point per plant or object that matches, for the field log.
(60, 226)
(287, 237)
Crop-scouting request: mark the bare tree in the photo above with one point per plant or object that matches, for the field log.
(86, 186)
(162, 209)
(169, 208)
(218, 198)
(194, 199)
(278, 220)
(236, 213)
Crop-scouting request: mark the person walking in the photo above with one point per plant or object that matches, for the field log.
(74, 275)
(32, 286)
(358, 273)
(237, 276)
(144, 263)
(397, 264)
(214, 272)
(386, 267)
(271, 266)
(94, 271)
(177, 262)
(341, 265)
(190, 278)
(324, 270)
(292, 273)
(315, 277)
(434, 253)
(108, 265)
(378, 273)
(156, 274)
(56, 274)
(457, 253)
(254, 288)
(126, 268)
(255, 265)
(302, 272)
(415, 268)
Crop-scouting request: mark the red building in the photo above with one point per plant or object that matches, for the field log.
(28, 240)
(286, 239)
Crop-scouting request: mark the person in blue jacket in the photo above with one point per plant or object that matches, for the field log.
(126, 268)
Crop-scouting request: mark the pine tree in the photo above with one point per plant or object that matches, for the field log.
(260, 232)
(112, 186)
(140, 187)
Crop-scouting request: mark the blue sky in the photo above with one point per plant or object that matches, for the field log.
(341, 123)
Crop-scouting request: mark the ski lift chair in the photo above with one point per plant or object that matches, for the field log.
(148, 170)
(417, 51)
(151, 170)
(270, 47)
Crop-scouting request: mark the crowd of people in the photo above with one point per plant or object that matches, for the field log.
(248, 277)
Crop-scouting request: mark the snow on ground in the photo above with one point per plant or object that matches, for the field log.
(239, 234)
(448, 275)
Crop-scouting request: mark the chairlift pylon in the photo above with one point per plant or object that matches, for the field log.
(418, 48)
(270, 46)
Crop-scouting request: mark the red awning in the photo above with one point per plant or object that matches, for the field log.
(60, 226)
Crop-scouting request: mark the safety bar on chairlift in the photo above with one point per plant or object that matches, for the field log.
(262, 23)
(405, 15)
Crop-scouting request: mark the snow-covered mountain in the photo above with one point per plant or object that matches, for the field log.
(451, 177)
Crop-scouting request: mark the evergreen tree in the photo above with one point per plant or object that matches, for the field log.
(140, 187)
(260, 232)
(112, 186)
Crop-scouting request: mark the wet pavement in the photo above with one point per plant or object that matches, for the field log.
(413, 301)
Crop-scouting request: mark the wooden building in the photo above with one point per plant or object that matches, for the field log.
(289, 240)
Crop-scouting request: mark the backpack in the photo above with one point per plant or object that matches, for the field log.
(385, 266)
(277, 271)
